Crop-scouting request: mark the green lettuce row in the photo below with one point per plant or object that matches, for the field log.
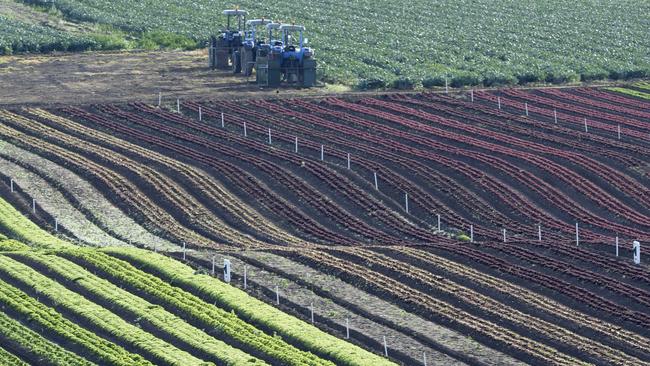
(158, 317)
(257, 312)
(642, 85)
(22, 228)
(193, 307)
(9, 359)
(632, 92)
(10, 245)
(36, 347)
(107, 353)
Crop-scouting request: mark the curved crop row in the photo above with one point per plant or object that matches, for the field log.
(9, 359)
(494, 307)
(117, 184)
(35, 348)
(24, 229)
(567, 97)
(613, 97)
(226, 323)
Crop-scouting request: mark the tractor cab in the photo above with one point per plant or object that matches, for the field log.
(223, 48)
(253, 39)
(287, 59)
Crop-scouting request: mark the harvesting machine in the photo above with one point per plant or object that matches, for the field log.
(247, 53)
(222, 51)
(284, 59)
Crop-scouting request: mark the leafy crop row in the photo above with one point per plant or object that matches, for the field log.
(25, 230)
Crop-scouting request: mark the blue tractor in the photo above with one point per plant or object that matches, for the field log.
(286, 60)
(253, 38)
(222, 51)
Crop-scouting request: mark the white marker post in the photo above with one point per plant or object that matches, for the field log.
(586, 129)
(245, 277)
(555, 115)
(526, 106)
(183, 250)
(636, 249)
(471, 233)
(499, 102)
(322, 152)
(539, 232)
(348, 160)
(159, 99)
(439, 222)
(385, 347)
(34, 205)
(12, 185)
(245, 132)
(269, 135)
(223, 121)
(424, 358)
(406, 202)
(296, 145)
(577, 235)
(619, 132)
(446, 85)
(226, 270)
(178, 105)
(214, 260)
(56, 225)
(311, 307)
(277, 295)
(376, 183)
(504, 235)
(347, 328)
(471, 95)
(200, 114)
(617, 245)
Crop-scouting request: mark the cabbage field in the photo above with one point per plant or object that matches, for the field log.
(382, 43)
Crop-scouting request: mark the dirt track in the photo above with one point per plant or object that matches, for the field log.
(119, 76)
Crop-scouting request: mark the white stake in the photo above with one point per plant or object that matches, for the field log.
(348, 160)
(471, 233)
(296, 148)
(385, 347)
(577, 235)
(200, 114)
(471, 95)
(56, 225)
(34, 205)
(555, 115)
(439, 222)
(526, 105)
(406, 202)
(499, 102)
(322, 152)
(245, 132)
(183, 250)
(539, 232)
(424, 358)
(347, 328)
(245, 277)
(12, 186)
(269, 135)
(277, 295)
(504, 235)
(586, 129)
(223, 122)
(178, 105)
(619, 132)
(159, 99)
(636, 250)
(617, 245)
(311, 307)
(214, 258)
(376, 183)
(446, 86)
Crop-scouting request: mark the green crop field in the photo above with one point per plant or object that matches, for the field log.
(371, 44)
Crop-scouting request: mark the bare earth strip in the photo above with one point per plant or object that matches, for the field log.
(389, 312)
(106, 214)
